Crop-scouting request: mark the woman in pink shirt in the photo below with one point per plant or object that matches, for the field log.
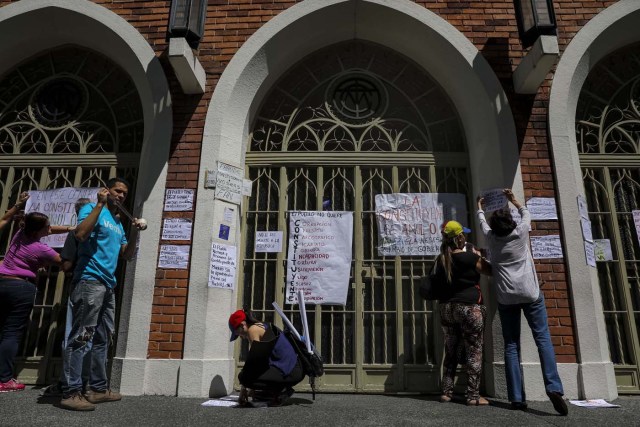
(25, 256)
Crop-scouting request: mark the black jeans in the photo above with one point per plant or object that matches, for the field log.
(16, 301)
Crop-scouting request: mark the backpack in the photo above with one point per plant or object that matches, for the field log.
(312, 363)
(432, 286)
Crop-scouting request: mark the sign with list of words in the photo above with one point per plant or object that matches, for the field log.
(494, 199)
(319, 256)
(542, 208)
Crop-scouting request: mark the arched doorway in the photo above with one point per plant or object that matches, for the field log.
(69, 117)
(607, 129)
(348, 122)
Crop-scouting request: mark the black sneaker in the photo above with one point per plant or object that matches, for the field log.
(519, 406)
(558, 403)
(54, 390)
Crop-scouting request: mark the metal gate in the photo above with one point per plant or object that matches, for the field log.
(347, 123)
(68, 118)
(608, 135)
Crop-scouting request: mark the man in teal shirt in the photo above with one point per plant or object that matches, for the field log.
(92, 297)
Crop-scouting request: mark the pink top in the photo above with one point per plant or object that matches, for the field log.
(25, 256)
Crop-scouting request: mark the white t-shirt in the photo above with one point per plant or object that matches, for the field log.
(514, 274)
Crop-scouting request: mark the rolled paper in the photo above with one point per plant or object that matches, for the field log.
(305, 324)
(286, 321)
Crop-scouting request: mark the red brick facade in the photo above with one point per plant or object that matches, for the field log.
(489, 25)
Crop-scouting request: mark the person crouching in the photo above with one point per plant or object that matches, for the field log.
(272, 367)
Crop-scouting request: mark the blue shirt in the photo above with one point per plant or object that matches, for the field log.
(98, 255)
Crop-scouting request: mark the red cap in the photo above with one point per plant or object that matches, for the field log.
(235, 320)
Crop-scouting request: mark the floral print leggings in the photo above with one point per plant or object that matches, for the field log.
(463, 326)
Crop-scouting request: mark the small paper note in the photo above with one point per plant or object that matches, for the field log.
(602, 250)
(589, 252)
(586, 229)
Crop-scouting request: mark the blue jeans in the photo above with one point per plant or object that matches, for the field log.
(536, 315)
(16, 302)
(92, 328)
(86, 364)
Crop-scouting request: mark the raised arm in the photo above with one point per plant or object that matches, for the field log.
(483, 221)
(522, 209)
(83, 229)
(8, 216)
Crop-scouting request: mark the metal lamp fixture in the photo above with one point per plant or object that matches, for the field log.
(187, 20)
(535, 18)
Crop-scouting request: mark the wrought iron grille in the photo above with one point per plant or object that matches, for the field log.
(608, 136)
(347, 123)
(68, 118)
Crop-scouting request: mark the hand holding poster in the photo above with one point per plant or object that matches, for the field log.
(494, 199)
(410, 223)
(59, 206)
(319, 256)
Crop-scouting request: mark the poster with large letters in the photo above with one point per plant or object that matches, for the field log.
(410, 223)
(319, 256)
(59, 206)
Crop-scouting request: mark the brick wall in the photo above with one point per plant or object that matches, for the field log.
(490, 25)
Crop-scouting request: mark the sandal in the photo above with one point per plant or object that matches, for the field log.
(445, 398)
(481, 401)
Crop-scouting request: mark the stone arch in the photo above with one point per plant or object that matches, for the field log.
(610, 30)
(404, 26)
(33, 26)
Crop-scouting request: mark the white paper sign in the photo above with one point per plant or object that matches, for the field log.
(177, 229)
(589, 252)
(636, 221)
(546, 247)
(268, 241)
(319, 256)
(178, 199)
(494, 199)
(174, 256)
(602, 250)
(586, 229)
(59, 206)
(542, 208)
(228, 215)
(222, 270)
(582, 207)
(247, 187)
(593, 403)
(410, 223)
(229, 183)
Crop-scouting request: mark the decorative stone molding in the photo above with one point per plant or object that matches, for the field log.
(535, 66)
(188, 69)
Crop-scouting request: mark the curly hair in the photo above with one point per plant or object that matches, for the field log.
(502, 223)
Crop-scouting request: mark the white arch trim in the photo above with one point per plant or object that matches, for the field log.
(612, 29)
(32, 26)
(411, 30)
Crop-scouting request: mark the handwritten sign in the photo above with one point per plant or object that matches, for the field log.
(222, 269)
(410, 223)
(174, 256)
(229, 183)
(268, 241)
(178, 199)
(177, 229)
(59, 206)
(589, 252)
(546, 247)
(636, 221)
(586, 229)
(319, 257)
(582, 207)
(494, 199)
(542, 208)
(602, 250)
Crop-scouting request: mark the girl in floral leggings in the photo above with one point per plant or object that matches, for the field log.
(462, 312)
